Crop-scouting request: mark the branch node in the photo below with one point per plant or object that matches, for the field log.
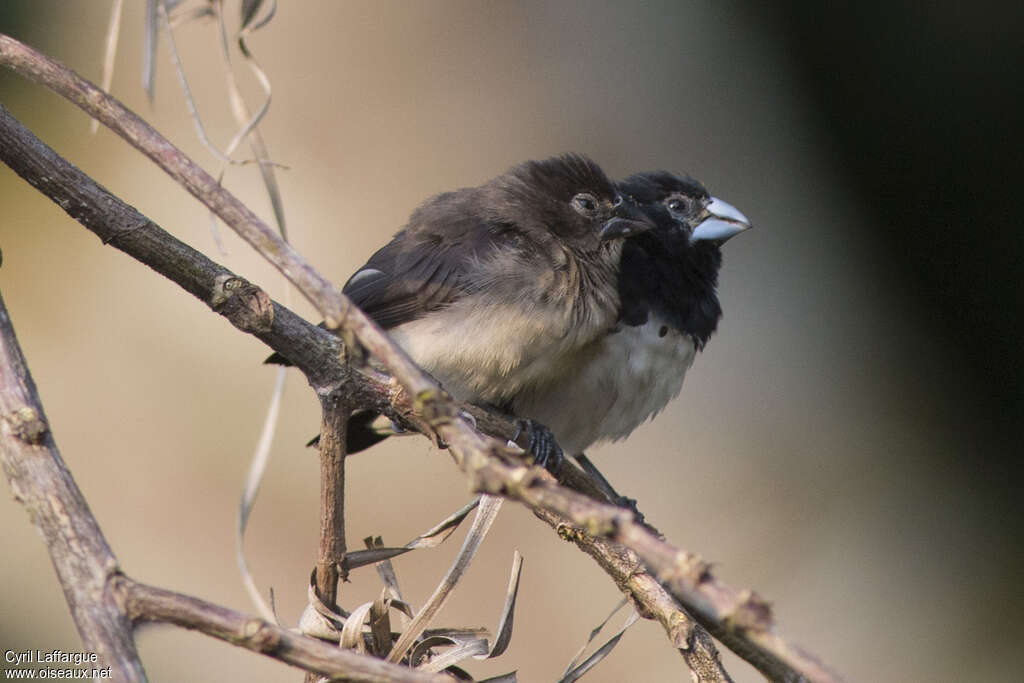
(750, 613)
(27, 425)
(681, 631)
(689, 568)
(262, 638)
(435, 406)
(124, 226)
(568, 532)
(244, 304)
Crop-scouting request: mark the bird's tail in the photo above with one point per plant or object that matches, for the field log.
(365, 428)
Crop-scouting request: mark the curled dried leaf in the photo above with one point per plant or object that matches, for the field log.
(352, 632)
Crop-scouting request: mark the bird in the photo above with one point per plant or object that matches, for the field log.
(668, 310)
(495, 289)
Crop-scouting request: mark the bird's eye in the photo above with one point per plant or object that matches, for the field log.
(678, 205)
(585, 204)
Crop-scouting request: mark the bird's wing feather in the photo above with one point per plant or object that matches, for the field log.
(420, 271)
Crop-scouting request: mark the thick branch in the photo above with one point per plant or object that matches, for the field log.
(739, 618)
(147, 603)
(42, 483)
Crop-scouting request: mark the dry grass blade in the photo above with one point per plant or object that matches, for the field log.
(510, 677)
(250, 8)
(472, 643)
(152, 35)
(380, 624)
(257, 467)
(431, 538)
(601, 653)
(385, 569)
(485, 516)
(504, 632)
(439, 533)
(593, 634)
(386, 572)
(451, 657)
(319, 620)
(361, 558)
(214, 232)
(458, 635)
(165, 20)
(109, 54)
(424, 646)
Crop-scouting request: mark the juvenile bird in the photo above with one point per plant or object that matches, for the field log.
(498, 288)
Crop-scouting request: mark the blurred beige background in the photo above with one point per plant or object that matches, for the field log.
(798, 458)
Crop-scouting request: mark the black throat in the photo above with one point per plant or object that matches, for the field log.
(663, 274)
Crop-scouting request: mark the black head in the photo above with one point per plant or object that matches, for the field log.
(568, 197)
(708, 221)
(672, 270)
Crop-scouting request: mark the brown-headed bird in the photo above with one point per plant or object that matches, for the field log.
(496, 289)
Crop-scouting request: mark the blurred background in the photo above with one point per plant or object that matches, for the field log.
(849, 444)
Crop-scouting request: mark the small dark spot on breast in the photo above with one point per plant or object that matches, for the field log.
(663, 331)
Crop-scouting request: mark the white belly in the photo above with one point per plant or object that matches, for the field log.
(625, 378)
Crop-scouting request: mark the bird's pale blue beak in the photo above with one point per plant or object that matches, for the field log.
(721, 220)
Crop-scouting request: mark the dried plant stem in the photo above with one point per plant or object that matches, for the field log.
(738, 618)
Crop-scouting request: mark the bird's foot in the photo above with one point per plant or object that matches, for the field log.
(606, 487)
(540, 445)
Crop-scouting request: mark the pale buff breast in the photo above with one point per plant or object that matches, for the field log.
(621, 381)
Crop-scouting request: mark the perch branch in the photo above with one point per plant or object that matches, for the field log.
(738, 618)
(650, 598)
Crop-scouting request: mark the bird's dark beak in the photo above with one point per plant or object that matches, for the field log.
(720, 221)
(627, 220)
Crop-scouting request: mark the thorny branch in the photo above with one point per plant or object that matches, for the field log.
(739, 618)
